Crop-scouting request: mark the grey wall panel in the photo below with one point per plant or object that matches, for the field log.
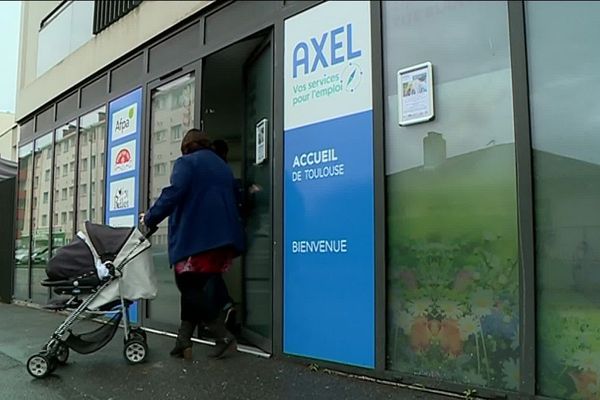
(26, 131)
(178, 50)
(244, 14)
(67, 107)
(94, 93)
(127, 75)
(45, 120)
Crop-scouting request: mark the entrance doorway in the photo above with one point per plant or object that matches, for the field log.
(236, 108)
(234, 99)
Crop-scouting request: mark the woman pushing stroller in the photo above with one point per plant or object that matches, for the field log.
(205, 234)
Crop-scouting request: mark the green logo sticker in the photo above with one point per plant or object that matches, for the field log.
(131, 111)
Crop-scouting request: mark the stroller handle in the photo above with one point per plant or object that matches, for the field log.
(145, 229)
(150, 231)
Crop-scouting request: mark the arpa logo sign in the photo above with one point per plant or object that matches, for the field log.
(123, 158)
(124, 122)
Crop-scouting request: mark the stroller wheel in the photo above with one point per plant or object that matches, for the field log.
(39, 365)
(135, 351)
(62, 354)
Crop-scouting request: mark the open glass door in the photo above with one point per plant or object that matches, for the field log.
(236, 102)
(258, 260)
(172, 111)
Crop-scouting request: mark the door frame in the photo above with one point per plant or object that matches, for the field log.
(194, 68)
(264, 343)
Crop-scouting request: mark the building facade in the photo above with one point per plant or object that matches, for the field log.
(417, 176)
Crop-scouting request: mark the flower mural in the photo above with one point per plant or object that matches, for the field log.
(569, 343)
(453, 316)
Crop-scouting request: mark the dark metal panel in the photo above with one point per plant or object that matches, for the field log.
(108, 12)
(520, 93)
(94, 93)
(237, 17)
(278, 166)
(295, 7)
(198, 95)
(45, 120)
(67, 107)
(7, 238)
(379, 185)
(26, 131)
(126, 76)
(175, 51)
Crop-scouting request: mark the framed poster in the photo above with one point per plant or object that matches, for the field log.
(261, 141)
(415, 94)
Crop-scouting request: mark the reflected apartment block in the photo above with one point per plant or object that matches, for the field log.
(65, 142)
(92, 161)
(173, 108)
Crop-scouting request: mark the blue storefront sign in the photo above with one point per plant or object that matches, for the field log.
(123, 164)
(329, 274)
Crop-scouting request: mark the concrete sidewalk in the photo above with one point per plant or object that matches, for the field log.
(105, 375)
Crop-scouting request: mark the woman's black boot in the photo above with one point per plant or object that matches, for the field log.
(225, 340)
(183, 344)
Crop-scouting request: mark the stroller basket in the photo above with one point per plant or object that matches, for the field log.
(89, 342)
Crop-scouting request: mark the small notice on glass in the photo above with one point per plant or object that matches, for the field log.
(415, 94)
(261, 141)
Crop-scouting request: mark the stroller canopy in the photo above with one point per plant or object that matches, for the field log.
(76, 258)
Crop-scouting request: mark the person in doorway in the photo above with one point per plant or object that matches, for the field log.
(205, 234)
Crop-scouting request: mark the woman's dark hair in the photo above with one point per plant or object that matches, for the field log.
(194, 140)
(220, 147)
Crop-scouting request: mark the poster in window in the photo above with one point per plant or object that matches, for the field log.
(261, 141)
(123, 158)
(415, 94)
(122, 195)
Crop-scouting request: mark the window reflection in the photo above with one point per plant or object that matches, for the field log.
(62, 231)
(92, 144)
(42, 160)
(172, 115)
(564, 61)
(452, 250)
(23, 220)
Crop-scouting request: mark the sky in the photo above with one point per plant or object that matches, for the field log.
(10, 21)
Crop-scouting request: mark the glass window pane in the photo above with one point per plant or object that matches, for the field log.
(62, 232)
(452, 250)
(64, 33)
(23, 237)
(564, 60)
(40, 222)
(92, 142)
(179, 93)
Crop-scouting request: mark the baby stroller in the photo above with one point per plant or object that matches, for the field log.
(101, 272)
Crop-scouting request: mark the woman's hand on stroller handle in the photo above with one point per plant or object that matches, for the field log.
(146, 230)
(150, 231)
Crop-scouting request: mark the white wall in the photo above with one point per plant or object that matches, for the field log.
(143, 23)
(8, 143)
(6, 135)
